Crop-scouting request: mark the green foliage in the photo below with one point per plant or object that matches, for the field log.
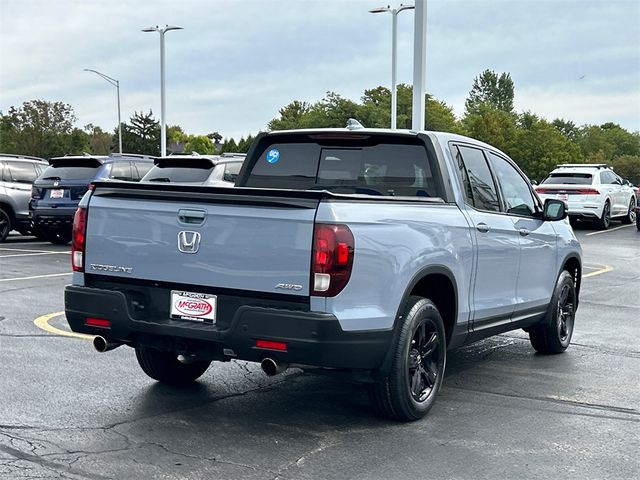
(140, 135)
(491, 90)
(627, 166)
(539, 146)
(99, 141)
(40, 128)
(373, 112)
(492, 126)
(199, 143)
(291, 116)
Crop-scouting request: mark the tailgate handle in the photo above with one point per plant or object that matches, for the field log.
(192, 217)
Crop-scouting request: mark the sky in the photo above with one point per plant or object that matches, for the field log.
(236, 63)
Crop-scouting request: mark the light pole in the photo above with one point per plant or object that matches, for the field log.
(116, 84)
(163, 130)
(394, 54)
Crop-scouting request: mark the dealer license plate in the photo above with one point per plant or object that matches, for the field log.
(56, 194)
(200, 307)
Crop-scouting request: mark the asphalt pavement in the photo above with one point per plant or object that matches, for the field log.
(504, 411)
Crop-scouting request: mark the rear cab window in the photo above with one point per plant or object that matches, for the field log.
(358, 164)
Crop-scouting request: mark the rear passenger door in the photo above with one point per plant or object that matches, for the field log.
(538, 270)
(497, 241)
(19, 176)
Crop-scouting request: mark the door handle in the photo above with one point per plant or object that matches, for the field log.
(191, 217)
(524, 232)
(483, 227)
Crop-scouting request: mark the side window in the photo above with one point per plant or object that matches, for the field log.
(21, 172)
(480, 188)
(515, 189)
(142, 168)
(231, 171)
(121, 171)
(2, 179)
(607, 177)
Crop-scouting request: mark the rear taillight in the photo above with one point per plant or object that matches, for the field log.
(587, 191)
(541, 190)
(333, 251)
(78, 239)
(35, 192)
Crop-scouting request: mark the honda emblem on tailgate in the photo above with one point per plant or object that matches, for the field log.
(188, 242)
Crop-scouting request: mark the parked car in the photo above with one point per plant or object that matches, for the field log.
(17, 174)
(195, 169)
(58, 190)
(592, 191)
(363, 252)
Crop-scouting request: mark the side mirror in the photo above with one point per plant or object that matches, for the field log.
(554, 210)
(534, 183)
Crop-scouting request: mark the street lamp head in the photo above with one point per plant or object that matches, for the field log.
(380, 9)
(150, 29)
(405, 7)
(167, 28)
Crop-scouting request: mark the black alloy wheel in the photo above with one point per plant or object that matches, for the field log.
(553, 335)
(422, 361)
(5, 225)
(418, 359)
(566, 314)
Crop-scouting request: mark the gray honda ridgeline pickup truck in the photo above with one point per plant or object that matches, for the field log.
(365, 251)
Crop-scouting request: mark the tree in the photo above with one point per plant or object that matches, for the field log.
(539, 146)
(40, 128)
(492, 126)
(141, 135)
(628, 166)
(199, 143)
(491, 90)
(99, 141)
(291, 116)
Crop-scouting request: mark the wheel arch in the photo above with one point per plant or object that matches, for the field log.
(438, 284)
(7, 207)
(573, 265)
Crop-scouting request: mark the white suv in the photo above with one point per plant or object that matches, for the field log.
(592, 192)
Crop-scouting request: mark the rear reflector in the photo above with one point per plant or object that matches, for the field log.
(271, 345)
(97, 322)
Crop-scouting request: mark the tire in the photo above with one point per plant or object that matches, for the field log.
(638, 221)
(553, 335)
(419, 355)
(166, 368)
(5, 225)
(630, 217)
(58, 237)
(605, 220)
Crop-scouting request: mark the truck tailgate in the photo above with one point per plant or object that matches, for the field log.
(195, 237)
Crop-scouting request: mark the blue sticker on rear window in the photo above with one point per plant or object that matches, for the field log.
(273, 155)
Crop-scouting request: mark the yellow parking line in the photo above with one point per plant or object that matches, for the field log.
(43, 324)
(604, 269)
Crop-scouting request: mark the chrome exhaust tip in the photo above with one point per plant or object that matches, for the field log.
(271, 367)
(102, 344)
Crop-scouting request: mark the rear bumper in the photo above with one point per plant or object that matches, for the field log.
(312, 338)
(60, 218)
